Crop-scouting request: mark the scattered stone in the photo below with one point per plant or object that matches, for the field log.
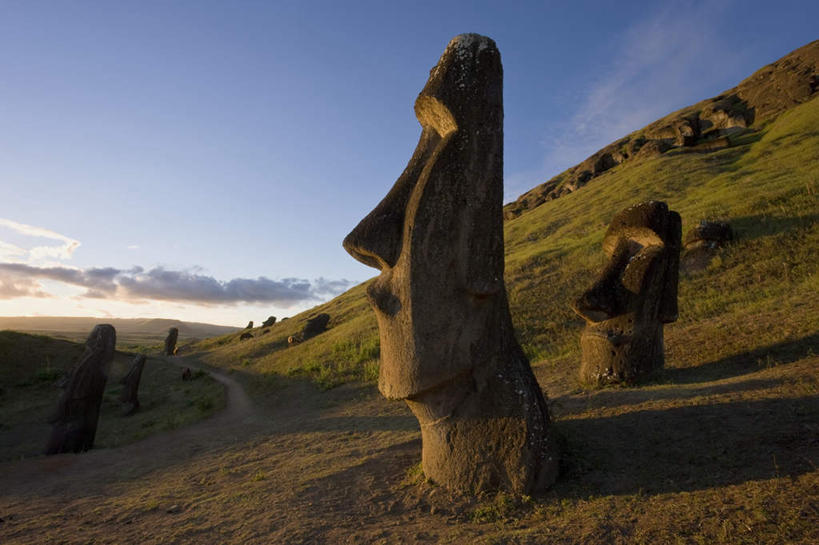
(245, 336)
(293, 340)
(130, 383)
(315, 326)
(269, 322)
(635, 294)
(170, 342)
(447, 342)
(75, 418)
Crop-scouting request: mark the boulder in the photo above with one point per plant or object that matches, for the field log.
(245, 336)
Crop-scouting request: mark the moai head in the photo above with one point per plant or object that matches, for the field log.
(437, 237)
(635, 294)
(170, 341)
(447, 343)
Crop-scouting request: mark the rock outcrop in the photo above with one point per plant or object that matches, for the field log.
(75, 419)
(130, 386)
(706, 126)
(635, 294)
(447, 342)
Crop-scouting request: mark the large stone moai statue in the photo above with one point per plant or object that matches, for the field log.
(635, 294)
(170, 342)
(75, 419)
(447, 342)
(129, 397)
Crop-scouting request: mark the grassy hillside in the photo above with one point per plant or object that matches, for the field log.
(32, 365)
(766, 186)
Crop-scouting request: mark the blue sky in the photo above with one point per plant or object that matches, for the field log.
(203, 160)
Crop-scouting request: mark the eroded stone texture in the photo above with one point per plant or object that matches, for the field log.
(447, 342)
(635, 294)
(75, 418)
(130, 382)
(170, 342)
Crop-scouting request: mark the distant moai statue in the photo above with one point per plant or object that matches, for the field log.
(447, 343)
(75, 418)
(249, 325)
(315, 326)
(170, 342)
(634, 295)
(129, 397)
(702, 242)
(269, 322)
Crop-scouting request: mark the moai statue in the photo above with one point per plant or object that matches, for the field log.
(635, 294)
(447, 342)
(269, 322)
(249, 325)
(75, 418)
(130, 382)
(170, 342)
(315, 326)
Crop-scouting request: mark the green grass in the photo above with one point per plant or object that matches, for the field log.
(32, 365)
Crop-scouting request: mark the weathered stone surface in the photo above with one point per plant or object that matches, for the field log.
(447, 341)
(130, 382)
(244, 336)
(293, 340)
(635, 294)
(315, 326)
(249, 325)
(75, 418)
(170, 342)
(269, 322)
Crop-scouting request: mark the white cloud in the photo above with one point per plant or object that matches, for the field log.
(64, 250)
(673, 58)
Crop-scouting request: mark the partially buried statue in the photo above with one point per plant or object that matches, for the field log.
(130, 390)
(170, 342)
(75, 419)
(635, 294)
(447, 342)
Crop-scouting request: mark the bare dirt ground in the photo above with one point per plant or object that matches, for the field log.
(732, 460)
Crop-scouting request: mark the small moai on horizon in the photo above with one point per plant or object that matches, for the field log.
(249, 325)
(170, 342)
(448, 346)
(269, 322)
(634, 295)
(75, 419)
(315, 326)
(129, 396)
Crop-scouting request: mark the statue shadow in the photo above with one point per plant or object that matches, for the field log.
(739, 364)
(760, 225)
(688, 448)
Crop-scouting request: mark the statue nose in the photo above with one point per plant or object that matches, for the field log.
(377, 240)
